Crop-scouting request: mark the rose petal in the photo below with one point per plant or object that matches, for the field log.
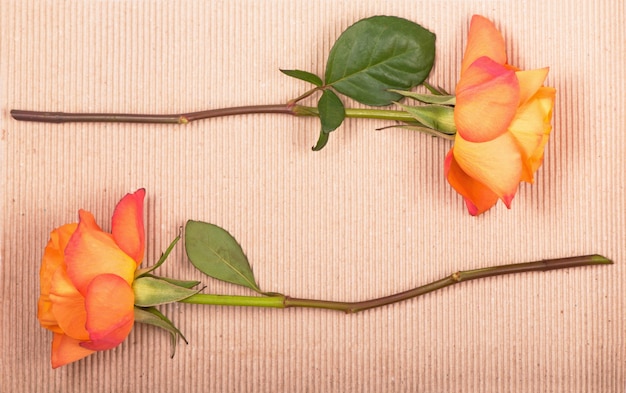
(530, 82)
(127, 227)
(92, 252)
(478, 197)
(531, 129)
(68, 306)
(483, 40)
(53, 253)
(496, 164)
(52, 261)
(67, 350)
(45, 316)
(110, 312)
(486, 101)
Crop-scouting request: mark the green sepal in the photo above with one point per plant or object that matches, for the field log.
(428, 98)
(304, 76)
(152, 316)
(216, 253)
(437, 117)
(179, 283)
(438, 91)
(145, 271)
(423, 129)
(153, 291)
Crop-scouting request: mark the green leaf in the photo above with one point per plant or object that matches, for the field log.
(152, 291)
(428, 98)
(377, 54)
(321, 141)
(332, 113)
(331, 110)
(305, 76)
(437, 117)
(154, 317)
(216, 253)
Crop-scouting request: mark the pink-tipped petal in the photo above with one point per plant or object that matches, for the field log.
(67, 350)
(507, 199)
(109, 302)
(128, 227)
(91, 252)
(472, 209)
(483, 40)
(486, 101)
(478, 198)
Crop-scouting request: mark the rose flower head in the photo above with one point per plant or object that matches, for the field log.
(87, 298)
(502, 116)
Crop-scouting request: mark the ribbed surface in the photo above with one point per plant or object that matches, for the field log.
(367, 216)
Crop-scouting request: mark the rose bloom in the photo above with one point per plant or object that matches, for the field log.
(87, 299)
(502, 116)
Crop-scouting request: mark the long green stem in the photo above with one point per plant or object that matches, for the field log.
(184, 118)
(281, 301)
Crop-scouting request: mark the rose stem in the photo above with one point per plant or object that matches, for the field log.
(281, 301)
(184, 118)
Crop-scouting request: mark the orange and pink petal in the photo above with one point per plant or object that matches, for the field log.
(478, 198)
(109, 303)
(496, 164)
(66, 350)
(92, 252)
(128, 227)
(483, 40)
(487, 97)
(68, 306)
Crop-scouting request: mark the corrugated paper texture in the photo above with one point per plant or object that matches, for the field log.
(369, 215)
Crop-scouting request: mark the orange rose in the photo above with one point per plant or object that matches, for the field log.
(86, 277)
(502, 116)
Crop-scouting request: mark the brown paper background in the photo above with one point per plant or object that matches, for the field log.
(369, 215)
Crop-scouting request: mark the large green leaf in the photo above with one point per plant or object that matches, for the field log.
(217, 254)
(377, 54)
